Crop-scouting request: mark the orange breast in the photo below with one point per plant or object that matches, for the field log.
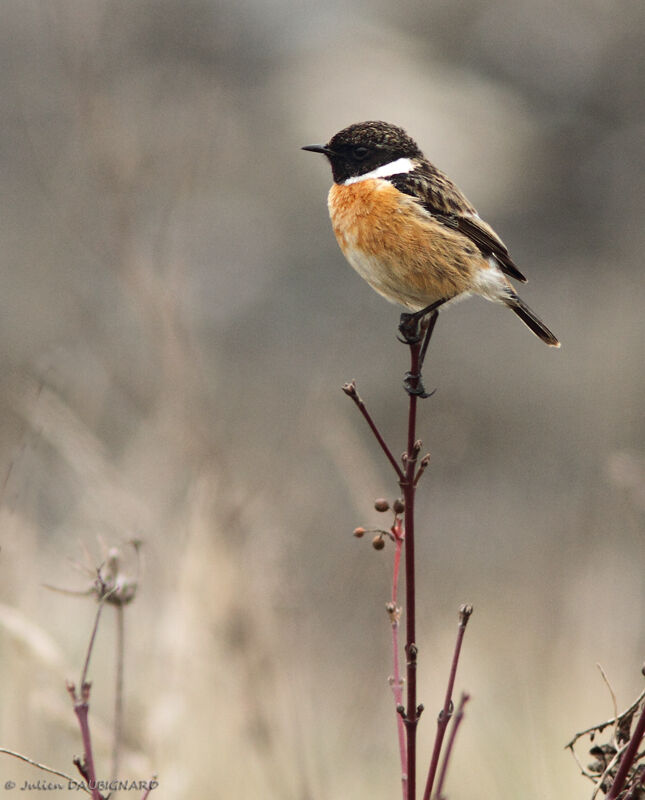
(397, 247)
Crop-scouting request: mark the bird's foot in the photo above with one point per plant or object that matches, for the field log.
(413, 385)
(409, 328)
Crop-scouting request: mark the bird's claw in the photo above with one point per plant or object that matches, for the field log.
(413, 385)
(409, 329)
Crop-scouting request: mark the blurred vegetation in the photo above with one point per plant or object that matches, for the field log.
(176, 322)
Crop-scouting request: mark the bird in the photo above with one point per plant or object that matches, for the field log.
(407, 229)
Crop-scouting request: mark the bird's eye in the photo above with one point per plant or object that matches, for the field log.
(360, 153)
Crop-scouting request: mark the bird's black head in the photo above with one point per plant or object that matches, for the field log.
(363, 147)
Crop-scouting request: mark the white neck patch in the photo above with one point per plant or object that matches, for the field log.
(398, 167)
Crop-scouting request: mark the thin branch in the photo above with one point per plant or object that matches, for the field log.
(350, 391)
(592, 776)
(601, 726)
(422, 468)
(81, 709)
(446, 712)
(118, 693)
(449, 747)
(613, 698)
(44, 768)
(90, 646)
(150, 787)
(81, 700)
(394, 612)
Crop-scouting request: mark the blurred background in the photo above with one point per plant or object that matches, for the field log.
(176, 322)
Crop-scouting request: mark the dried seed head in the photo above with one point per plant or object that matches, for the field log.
(378, 542)
(381, 504)
(350, 389)
(358, 532)
(398, 505)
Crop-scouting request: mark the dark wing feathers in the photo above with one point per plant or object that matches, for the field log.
(441, 198)
(488, 242)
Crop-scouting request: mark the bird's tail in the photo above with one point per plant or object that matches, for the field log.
(531, 320)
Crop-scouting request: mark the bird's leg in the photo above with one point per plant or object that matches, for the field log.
(409, 327)
(412, 382)
(432, 321)
(413, 327)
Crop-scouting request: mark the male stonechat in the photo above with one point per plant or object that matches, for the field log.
(409, 231)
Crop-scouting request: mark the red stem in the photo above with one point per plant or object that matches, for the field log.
(627, 760)
(411, 718)
(150, 787)
(446, 712)
(351, 391)
(408, 477)
(396, 677)
(451, 741)
(81, 708)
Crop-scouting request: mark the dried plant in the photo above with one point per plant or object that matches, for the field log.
(618, 768)
(111, 584)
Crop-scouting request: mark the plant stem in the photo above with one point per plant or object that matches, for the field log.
(88, 655)
(408, 477)
(446, 712)
(395, 612)
(451, 742)
(408, 488)
(118, 693)
(627, 760)
(149, 788)
(350, 391)
(86, 765)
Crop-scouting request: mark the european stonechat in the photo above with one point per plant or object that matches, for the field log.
(409, 231)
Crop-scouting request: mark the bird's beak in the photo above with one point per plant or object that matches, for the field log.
(318, 148)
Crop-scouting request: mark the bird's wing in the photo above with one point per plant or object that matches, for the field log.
(441, 198)
(489, 242)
